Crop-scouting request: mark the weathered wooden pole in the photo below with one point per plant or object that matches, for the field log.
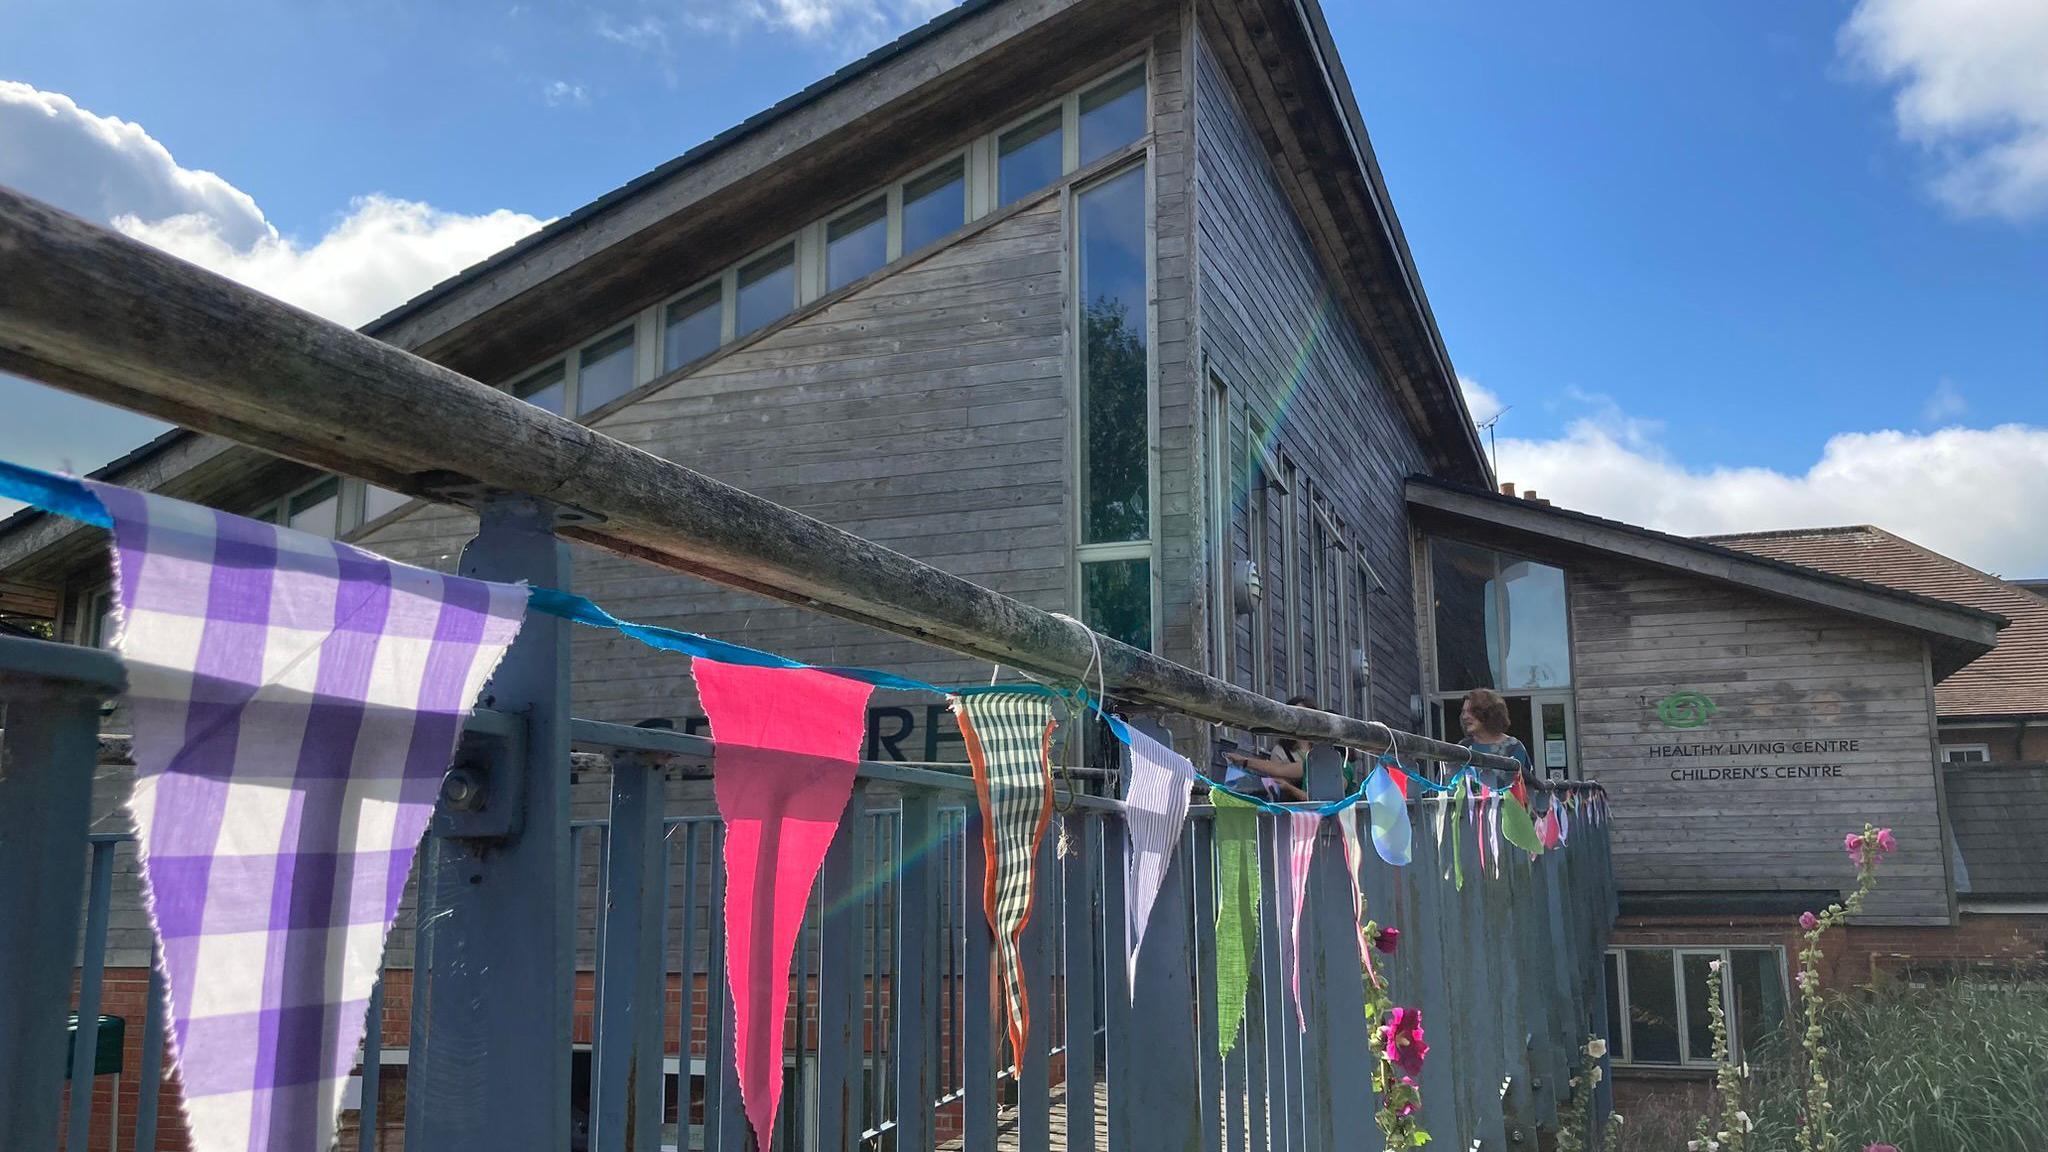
(94, 312)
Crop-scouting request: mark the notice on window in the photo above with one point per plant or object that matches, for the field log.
(1553, 754)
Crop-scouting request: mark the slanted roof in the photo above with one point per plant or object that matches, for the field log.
(2010, 680)
(1956, 633)
(977, 54)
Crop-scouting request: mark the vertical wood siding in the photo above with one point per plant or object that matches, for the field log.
(1271, 329)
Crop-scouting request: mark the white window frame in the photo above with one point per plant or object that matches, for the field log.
(977, 159)
(1259, 463)
(1290, 560)
(1367, 582)
(1621, 1050)
(1148, 548)
(1951, 752)
(1223, 613)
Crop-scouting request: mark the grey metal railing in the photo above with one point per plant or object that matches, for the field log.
(893, 1040)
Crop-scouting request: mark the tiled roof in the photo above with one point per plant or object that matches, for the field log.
(2010, 680)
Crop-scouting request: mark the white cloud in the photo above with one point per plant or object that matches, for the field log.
(850, 26)
(381, 252)
(101, 167)
(1945, 404)
(1480, 401)
(562, 92)
(1971, 493)
(1973, 89)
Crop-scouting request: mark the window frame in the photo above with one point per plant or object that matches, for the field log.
(1621, 1045)
(1260, 464)
(976, 160)
(1949, 753)
(1222, 525)
(1501, 616)
(1147, 549)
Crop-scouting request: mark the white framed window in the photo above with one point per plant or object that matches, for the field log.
(1367, 583)
(1966, 753)
(1112, 287)
(1659, 1000)
(93, 625)
(1290, 568)
(1095, 120)
(1222, 544)
(1268, 490)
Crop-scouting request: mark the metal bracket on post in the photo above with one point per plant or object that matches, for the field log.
(492, 998)
(483, 793)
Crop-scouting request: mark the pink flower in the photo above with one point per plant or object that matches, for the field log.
(1808, 921)
(1403, 1040)
(1388, 940)
(1885, 841)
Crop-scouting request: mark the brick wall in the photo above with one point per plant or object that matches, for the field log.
(1855, 955)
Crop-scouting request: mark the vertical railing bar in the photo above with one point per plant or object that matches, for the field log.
(869, 1050)
(85, 1040)
(1077, 892)
(978, 999)
(839, 977)
(1279, 1025)
(151, 1075)
(1202, 926)
(686, 1007)
(717, 1015)
(913, 996)
(733, 1131)
(797, 1109)
(373, 1070)
(1116, 988)
(1034, 1066)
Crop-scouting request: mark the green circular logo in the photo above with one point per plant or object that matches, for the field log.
(1685, 710)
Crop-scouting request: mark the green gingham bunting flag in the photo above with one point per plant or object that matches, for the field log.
(1009, 742)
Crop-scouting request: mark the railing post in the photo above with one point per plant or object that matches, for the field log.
(490, 1060)
(1079, 877)
(626, 1073)
(1163, 1063)
(1333, 986)
(51, 744)
(915, 991)
(841, 983)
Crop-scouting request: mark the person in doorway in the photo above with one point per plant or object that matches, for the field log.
(1485, 718)
(1278, 776)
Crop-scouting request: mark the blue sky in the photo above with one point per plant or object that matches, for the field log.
(1731, 266)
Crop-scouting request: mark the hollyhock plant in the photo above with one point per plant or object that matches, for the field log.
(1808, 921)
(1404, 1044)
(1388, 940)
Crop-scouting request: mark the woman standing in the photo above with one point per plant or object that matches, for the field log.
(1485, 718)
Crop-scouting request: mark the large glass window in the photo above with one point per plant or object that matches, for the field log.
(934, 205)
(1115, 437)
(1500, 621)
(1116, 600)
(767, 290)
(692, 327)
(1461, 580)
(1660, 1001)
(856, 243)
(604, 370)
(547, 388)
(378, 501)
(1112, 115)
(1029, 157)
(317, 509)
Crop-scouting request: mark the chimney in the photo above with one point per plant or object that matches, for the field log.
(1530, 496)
(1507, 488)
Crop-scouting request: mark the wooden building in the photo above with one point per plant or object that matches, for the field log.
(1104, 304)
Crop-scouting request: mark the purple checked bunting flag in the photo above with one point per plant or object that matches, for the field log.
(295, 703)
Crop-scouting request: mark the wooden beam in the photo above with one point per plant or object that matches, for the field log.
(96, 313)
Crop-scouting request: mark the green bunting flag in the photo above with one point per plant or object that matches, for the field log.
(1517, 827)
(1237, 907)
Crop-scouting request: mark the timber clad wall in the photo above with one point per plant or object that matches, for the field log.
(1775, 673)
(1273, 333)
(927, 411)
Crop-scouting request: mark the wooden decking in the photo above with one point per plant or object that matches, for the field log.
(1006, 1123)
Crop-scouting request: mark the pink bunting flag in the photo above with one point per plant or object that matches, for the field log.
(787, 743)
(1354, 867)
(1155, 808)
(1301, 850)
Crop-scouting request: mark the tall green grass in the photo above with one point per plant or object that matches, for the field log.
(1958, 1067)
